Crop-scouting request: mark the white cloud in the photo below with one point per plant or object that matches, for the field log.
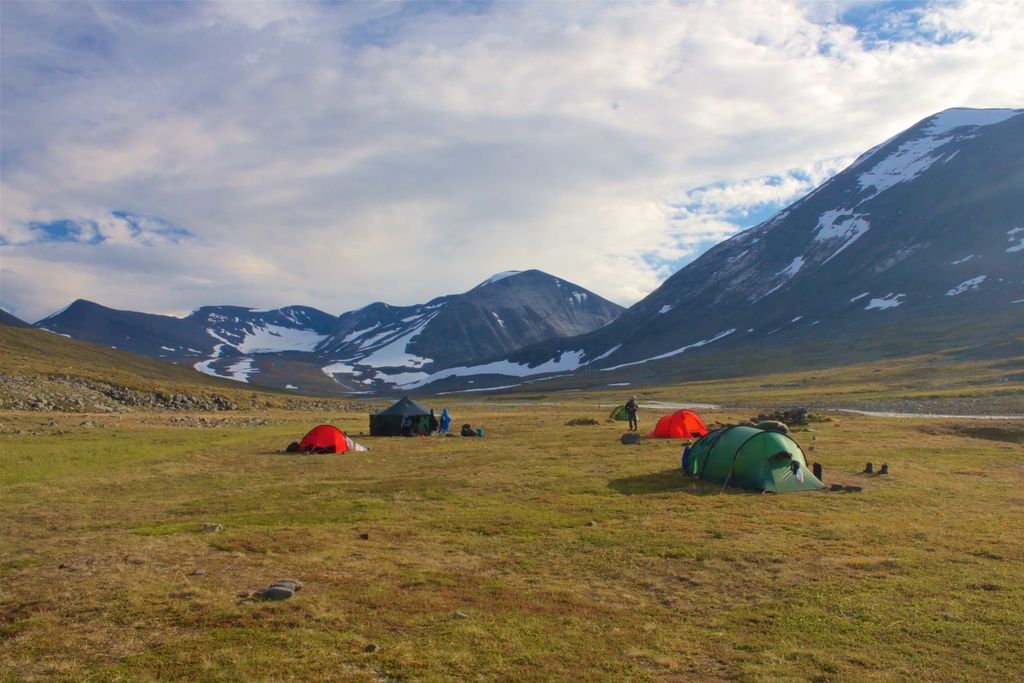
(334, 154)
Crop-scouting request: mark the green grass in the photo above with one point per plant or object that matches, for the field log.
(573, 557)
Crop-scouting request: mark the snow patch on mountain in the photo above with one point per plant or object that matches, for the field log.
(966, 286)
(890, 300)
(914, 156)
(241, 370)
(498, 277)
(498, 318)
(394, 353)
(606, 353)
(859, 297)
(674, 352)
(203, 366)
(965, 259)
(1016, 237)
(665, 309)
(565, 361)
(579, 297)
(793, 268)
(840, 224)
(274, 338)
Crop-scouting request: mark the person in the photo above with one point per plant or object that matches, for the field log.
(446, 421)
(433, 422)
(631, 407)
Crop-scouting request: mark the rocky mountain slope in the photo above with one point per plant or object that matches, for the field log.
(919, 244)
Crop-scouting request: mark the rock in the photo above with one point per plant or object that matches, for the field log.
(197, 572)
(460, 615)
(364, 536)
(294, 584)
(212, 528)
(592, 522)
(277, 592)
(372, 647)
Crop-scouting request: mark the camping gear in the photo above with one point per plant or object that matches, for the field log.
(773, 426)
(751, 458)
(353, 446)
(467, 430)
(401, 419)
(682, 424)
(619, 413)
(884, 469)
(324, 439)
(630, 438)
(816, 468)
(868, 469)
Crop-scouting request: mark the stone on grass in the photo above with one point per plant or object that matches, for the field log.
(592, 522)
(372, 647)
(212, 528)
(281, 590)
(277, 592)
(364, 536)
(460, 615)
(294, 584)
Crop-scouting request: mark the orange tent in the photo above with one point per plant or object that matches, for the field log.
(324, 439)
(682, 424)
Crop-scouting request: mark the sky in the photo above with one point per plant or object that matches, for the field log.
(160, 156)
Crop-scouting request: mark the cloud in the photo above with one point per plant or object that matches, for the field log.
(334, 154)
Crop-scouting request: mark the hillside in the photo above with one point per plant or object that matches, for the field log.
(40, 370)
(916, 247)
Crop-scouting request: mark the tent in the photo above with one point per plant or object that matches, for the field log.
(619, 413)
(405, 412)
(752, 459)
(682, 424)
(324, 439)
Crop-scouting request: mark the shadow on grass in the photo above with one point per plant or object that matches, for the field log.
(671, 480)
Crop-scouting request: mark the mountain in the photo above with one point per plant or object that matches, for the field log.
(500, 315)
(11, 320)
(918, 245)
(301, 347)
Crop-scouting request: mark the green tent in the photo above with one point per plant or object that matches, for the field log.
(750, 458)
(619, 413)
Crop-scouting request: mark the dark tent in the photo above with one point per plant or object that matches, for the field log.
(404, 418)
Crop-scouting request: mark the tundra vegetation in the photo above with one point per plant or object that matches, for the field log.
(133, 545)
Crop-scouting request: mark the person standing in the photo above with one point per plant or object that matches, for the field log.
(631, 407)
(446, 421)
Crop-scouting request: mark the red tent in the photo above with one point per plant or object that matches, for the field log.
(682, 424)
(324, 439)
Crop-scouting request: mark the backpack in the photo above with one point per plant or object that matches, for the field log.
(467, 430)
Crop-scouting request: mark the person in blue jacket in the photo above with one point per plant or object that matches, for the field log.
(446, 421)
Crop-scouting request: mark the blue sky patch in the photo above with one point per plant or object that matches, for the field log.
(142, 230)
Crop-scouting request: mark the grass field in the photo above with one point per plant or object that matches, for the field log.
(540, 552)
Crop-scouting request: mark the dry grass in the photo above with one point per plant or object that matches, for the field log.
(573, 557)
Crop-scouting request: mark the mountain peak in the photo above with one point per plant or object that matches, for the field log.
(497, 277)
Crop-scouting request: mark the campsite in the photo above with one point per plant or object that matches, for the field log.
(136, 546)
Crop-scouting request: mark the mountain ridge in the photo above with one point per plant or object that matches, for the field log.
(900, 233)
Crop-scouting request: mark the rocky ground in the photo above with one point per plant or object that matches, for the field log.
(63, 393)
